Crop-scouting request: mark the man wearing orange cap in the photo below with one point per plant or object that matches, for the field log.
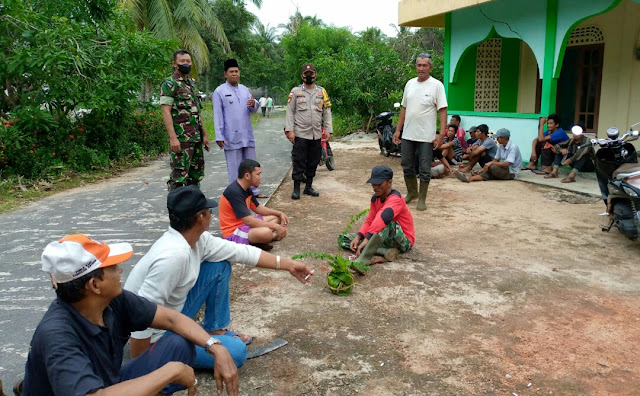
(78, 346)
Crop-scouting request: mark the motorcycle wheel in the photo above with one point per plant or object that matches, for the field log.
(331, 165)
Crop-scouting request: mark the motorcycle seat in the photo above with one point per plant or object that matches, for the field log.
(627, 170)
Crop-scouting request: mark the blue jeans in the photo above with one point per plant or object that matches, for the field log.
(212, 290)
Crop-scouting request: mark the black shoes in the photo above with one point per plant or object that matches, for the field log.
(308, 190)
(296, 190)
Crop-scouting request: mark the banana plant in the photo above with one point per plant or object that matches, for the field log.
(340, 279)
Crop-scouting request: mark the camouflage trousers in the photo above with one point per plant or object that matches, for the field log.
(187, 165)
(392, 236)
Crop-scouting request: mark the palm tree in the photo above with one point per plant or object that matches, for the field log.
(296, 20)
(266, 36)
(179, 20)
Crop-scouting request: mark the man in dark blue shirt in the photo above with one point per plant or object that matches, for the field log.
(77, 348)
(542, 146)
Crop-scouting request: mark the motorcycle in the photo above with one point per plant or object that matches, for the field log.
(327, 154)
(618, 175)
(386, 129)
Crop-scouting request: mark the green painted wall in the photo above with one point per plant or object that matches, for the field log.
(462, 90)
(509, 75)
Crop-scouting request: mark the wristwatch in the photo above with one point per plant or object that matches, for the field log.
(210, 342)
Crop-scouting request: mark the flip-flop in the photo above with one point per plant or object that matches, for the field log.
(234, 334)
(568, 180)
(550, 176)
(538, 172)
(460, 176)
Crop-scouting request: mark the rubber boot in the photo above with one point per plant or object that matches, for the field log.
(422, 196)
(308, 190)
(412, 188)
(389, 254)
(296, 190)
(370, 249)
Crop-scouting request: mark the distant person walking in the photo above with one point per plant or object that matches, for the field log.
(232, 105)
(263, 105)
(308, 111)
(423, 98)
(181, 114)
(269, 105)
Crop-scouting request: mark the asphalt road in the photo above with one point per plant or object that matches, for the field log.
(130, 208)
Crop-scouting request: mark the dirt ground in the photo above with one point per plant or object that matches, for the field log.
(510, 289)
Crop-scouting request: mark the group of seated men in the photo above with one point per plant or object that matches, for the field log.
(77, 349)
(503, 161)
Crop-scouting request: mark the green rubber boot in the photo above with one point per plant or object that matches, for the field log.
(422, 196)
(412, 188)
(389, 254)
(370, 249)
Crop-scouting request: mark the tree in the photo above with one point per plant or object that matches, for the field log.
(297, 20)
(182, 21)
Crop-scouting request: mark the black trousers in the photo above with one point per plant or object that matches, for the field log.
(545, 156)
(584, 164)
(306, 156)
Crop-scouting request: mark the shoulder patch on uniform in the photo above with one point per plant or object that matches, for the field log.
(325, 98)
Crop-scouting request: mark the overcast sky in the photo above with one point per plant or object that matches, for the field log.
(356, 14)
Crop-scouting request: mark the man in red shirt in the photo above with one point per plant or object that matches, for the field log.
(388, 228)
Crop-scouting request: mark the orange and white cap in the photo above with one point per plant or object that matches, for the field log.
(76, 255)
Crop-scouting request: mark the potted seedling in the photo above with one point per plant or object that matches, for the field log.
(340, 279)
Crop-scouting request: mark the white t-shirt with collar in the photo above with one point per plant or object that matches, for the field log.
(422, 101)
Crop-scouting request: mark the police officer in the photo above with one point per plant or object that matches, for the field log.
(181, 114)
(308, 111)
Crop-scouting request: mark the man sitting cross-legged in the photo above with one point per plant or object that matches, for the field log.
(569, 153)
(237, 222)
(78, 346)
(482, 151)
(188, 267)
(505, 166)
(389, 224)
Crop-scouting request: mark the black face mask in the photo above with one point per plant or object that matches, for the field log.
(308, 80)
(184, 68)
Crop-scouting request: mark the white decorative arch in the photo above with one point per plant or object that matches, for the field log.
(585, 36)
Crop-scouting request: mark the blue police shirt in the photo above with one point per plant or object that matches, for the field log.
(71, 356)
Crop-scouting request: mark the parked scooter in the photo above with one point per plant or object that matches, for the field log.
(386, 129)
(618, 176)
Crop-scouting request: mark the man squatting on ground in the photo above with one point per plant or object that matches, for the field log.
(238, 223)
(188, 267)
(389, 224)
(77, 348)
(232, 108)
(482, 151)
(181, 114)
(505, 166)
(423, 97)
(308, 111)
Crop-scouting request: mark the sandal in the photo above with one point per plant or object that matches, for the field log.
(550, 176)
(568, 180)
(242, 337)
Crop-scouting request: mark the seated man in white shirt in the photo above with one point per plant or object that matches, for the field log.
(188, 267)
(505, 166)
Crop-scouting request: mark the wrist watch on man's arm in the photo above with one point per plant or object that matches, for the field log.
(212, 341)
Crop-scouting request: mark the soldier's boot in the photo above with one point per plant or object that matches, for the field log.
(296, 190)
(422, 196)
(370, 249)
(412, 188)
(389, 254)
(308, 190)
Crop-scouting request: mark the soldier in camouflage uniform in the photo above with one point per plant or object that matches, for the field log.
(308, 111)
(181, 113)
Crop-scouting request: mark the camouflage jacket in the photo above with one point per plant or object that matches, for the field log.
(182, 95)
(573, 148)
(308, 111)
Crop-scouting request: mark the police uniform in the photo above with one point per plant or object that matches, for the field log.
(308, 111)
(187, 165)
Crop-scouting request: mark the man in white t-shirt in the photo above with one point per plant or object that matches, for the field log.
(263, 105)
(423, 98)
